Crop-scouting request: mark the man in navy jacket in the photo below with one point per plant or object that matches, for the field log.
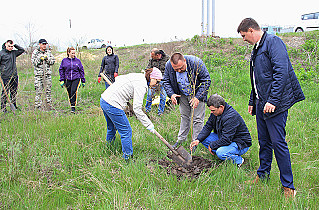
(230, 138)
(186, 81)
(275, 88)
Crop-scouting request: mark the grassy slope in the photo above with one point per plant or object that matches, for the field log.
(58, 160)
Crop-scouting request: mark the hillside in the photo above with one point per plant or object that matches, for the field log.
(58, 160)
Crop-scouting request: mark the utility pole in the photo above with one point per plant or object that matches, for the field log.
(213, 18)
(208, 18)
(203, 18)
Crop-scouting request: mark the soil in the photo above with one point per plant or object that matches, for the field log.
(198, 166)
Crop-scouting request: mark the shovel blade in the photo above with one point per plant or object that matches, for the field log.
(185, 155)
(181, 157)
(13, 108)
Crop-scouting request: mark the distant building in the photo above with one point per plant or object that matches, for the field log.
(276, 29)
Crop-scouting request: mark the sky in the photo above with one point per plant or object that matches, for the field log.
(127, 22)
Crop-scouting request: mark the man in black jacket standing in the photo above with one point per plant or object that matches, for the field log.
(8, 71)
(230, 138)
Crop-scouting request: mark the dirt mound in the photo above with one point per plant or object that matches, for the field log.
(193, 171)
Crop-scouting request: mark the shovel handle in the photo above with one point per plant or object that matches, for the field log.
(5, 91)
(165, 142)
(106, 79)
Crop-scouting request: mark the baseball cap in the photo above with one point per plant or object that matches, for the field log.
(43, 41)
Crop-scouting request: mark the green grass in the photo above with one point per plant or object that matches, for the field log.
(56, 160)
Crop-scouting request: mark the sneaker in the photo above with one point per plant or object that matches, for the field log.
(73, 110)
(240, 164)
(289, 193)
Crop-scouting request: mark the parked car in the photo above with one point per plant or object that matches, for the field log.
(308, 22)
(96, 44)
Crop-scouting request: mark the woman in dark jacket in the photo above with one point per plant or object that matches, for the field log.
(109, 66)
(71, 76)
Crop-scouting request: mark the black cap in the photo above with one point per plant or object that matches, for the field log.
(43, 41)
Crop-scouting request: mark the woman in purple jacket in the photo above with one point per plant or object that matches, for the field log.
(71, 76)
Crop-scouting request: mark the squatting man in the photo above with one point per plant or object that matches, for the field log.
(231, 138)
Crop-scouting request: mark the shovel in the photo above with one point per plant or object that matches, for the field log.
(179, 155)
(12, 107)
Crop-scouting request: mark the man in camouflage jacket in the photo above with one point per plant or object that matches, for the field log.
(42, 59)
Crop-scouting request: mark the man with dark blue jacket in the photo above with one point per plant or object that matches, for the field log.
(275, 88)
(9, 73)
(231, 138)
(186, 82)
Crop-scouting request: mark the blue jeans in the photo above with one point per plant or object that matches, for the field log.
(271, 137)
(163, 96)
(226, 152)
(117, 120)
(106, 85)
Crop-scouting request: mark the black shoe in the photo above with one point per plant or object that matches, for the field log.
(129, 159)
(175, 145)
(73, 110)
(194, 149)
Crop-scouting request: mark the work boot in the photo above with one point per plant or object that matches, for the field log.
(289, 193)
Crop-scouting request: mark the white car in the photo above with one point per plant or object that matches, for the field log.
(96, 44)
(308, 22)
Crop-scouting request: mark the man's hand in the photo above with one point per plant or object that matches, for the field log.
(269, 108)
(210, 150)
(44, 58)
(250, 110)
(193, 144)
(173, 98)
(194, 102)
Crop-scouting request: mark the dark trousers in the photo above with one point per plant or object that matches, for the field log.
(72, 87)
(11, 87)
(271, 136)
